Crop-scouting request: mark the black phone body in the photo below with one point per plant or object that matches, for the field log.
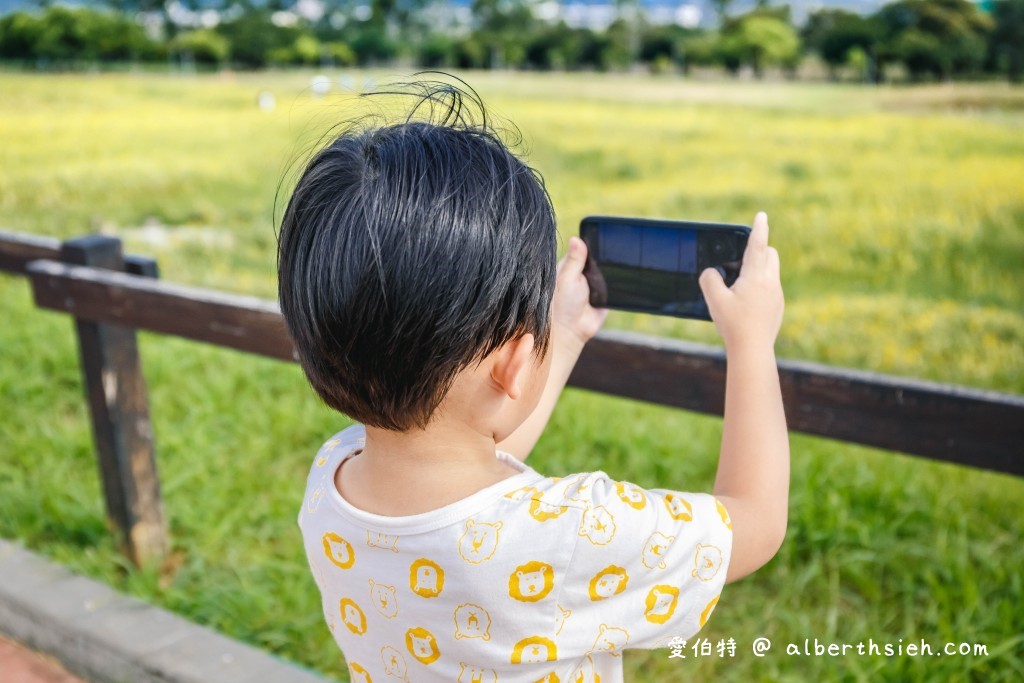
(652, 266)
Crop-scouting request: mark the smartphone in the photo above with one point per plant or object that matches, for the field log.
(652, 266)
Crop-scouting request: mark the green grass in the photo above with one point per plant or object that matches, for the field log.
(898, 214)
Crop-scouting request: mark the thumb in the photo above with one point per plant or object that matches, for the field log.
(713, 286)
(575, 257)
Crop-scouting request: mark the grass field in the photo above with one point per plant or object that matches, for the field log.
(899, 216)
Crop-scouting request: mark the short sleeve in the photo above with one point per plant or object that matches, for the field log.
(648, 565)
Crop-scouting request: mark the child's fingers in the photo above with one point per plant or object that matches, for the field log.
(575, 258)
(773, 262)
(713, 286)
(757, 242)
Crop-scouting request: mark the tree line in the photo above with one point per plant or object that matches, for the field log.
(929, 39)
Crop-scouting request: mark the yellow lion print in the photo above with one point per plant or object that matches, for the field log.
(631, 495)
(338, 550)
(609, 581)
(534, 649)
(724, 514)
(542, 511)
(706, 612)
(549, 678)
(358, 674)
(426, 578)
(678, 507)
(352, 616)
(524, 492)
(661, 603)
(422, 645)
(531, 582)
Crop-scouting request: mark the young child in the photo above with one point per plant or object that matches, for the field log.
(418, 280)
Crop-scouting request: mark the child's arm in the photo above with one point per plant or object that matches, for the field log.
(753, 469)
(573, 322)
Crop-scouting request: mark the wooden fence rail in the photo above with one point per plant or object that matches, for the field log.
(982, 429)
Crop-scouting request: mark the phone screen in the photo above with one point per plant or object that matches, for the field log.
(654, 266)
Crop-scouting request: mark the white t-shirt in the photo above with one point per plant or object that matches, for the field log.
(531, 579)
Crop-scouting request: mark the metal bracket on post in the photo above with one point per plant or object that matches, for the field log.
(116, 392)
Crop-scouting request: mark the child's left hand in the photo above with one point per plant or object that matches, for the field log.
(573, 320)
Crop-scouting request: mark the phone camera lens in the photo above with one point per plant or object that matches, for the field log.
(719, 248)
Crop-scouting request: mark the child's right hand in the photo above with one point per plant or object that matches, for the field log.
(749, 314)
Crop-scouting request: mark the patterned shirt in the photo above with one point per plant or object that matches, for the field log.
(531, 579)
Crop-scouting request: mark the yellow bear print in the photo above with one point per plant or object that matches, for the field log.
(609, 581)
(598, 525)
(706, 562)
(479, 541)
(385, 599)
(549, 678)
(533, 650)
(708, 609)
(585, 672)
(661, 603)
(394, 663)
(531, 582)
(338, 550)
(654, 550)
(376, 539)
(563, 614)
(472, 621)
(422, 645)
(724, 514)
(352, 616)
(476, 674)
(426, 578)
(631, 495)
(610, 639)
(357, 674)
(678, 507)
(542, 511)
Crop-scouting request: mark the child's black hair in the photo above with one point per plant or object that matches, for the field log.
(408, 252)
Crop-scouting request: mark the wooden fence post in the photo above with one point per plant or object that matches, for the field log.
(116, 392)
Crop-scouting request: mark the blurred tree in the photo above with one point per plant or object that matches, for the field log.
(940, 38)
(204, 46)
(253, 35)
(758, 40)
(501, 26)
(1007, 42)
(19, 34)
(557, 46)
(836, 34)
(667, 40)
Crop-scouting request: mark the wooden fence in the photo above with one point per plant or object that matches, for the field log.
(111, 296)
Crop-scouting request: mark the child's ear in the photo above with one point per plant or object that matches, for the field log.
(510, 365)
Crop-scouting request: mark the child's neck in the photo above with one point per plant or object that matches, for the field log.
(406, 473)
